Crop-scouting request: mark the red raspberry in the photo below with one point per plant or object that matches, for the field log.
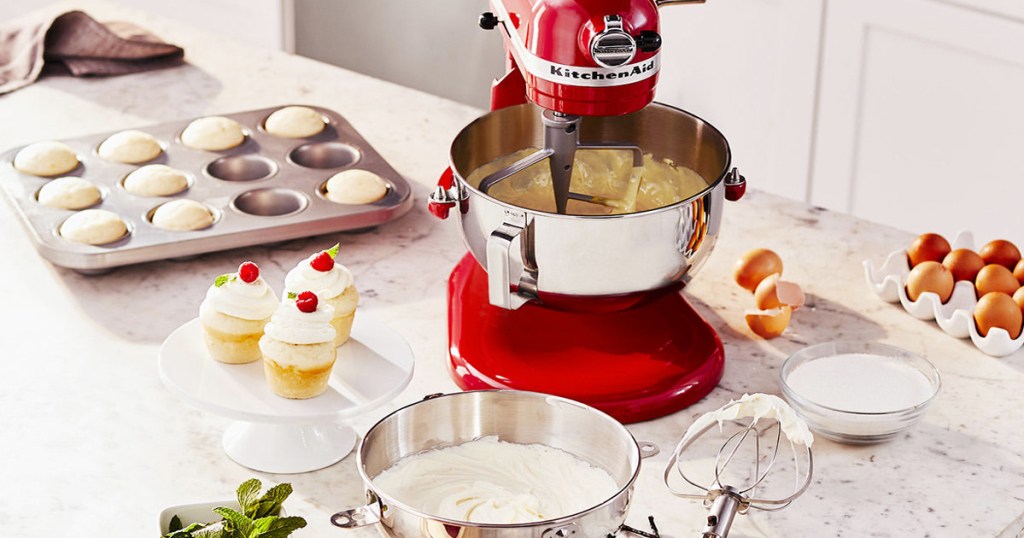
(323, 262)
(306, 302)
(248, 272)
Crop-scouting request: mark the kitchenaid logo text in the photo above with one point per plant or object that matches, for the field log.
(634, 71)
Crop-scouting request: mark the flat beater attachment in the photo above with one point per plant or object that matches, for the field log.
(561, 142)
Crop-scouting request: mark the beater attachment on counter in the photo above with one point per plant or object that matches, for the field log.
(561, 142)
(626, 529)
(730, 491)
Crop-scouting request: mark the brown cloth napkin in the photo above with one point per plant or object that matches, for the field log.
(81, 45)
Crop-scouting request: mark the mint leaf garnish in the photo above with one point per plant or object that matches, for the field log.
(292, 295)
(283, 526)
(249, 495)
(270, 503)
(221, 280)
(333, 251)
(235, 521)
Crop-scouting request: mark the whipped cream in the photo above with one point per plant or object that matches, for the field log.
(293, 326)
(491, 481)
(325, 284)
(240, 299)
(757, 406)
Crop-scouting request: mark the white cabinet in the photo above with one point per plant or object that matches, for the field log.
(750, 68)
(920, 118)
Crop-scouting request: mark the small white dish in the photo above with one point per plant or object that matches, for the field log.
(198, 513)
(854, 426)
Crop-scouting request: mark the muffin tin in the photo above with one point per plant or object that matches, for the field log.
(267, 189)
(955, 316)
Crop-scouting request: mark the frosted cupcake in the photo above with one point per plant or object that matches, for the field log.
(333, 284)
(233, 315)
(298, 347)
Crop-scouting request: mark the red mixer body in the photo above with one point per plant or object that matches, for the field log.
(552, 49)
(638, 356)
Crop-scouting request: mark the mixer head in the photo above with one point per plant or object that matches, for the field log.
(576, 58)
(584, 57)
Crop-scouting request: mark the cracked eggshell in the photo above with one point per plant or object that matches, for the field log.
(773, 292)
(769, 323)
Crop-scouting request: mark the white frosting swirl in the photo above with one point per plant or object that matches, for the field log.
(531, 483)
(252, 301)
(293, 326)
(756, 406)
(325, 284)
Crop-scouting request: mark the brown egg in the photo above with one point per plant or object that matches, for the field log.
(1018, 272)
(998, 310)
(769, 323)
(773, 293)
(1019, 297)
(995, 278)
(964, 263)
(930, 276)
(928, 248)
(755, 266)
(1000, 252)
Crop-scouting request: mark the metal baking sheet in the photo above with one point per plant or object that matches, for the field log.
(249, 207)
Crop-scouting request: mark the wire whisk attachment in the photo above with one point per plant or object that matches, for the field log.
(763, 423)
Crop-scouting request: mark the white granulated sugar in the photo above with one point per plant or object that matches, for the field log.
(861, 383)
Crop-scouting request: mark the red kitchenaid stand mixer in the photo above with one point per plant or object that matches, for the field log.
(584, 307)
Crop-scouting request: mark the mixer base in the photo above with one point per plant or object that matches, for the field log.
(641, 363)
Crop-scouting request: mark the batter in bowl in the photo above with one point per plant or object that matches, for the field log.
(607, 174)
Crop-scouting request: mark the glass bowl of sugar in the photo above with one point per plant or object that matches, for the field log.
(859, 392)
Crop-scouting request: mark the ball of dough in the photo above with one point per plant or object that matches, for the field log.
(69, 193)
(130, 147)
(46, 159)
(156, 180)
(182, 215)
(295, 122)
(356, 187)
(93, 227)
(213, 133)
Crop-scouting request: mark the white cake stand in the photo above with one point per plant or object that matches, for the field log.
(277, 435)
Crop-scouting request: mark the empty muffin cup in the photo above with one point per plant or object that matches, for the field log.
(270, 202)
(323, 155)
(241, 168)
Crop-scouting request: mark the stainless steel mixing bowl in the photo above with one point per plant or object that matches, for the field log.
(530, 254)
(512, 416)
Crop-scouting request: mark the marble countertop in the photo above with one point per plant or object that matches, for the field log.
(90, 438)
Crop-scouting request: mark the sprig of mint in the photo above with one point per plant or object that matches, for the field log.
(292, 295)
(259, 518)
(333, 251)
(224, 279)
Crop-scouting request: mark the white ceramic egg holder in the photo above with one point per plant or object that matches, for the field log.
(956, 316)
